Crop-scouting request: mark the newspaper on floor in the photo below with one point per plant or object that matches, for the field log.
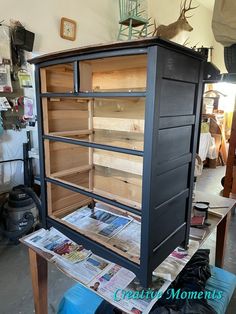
(54, 242)
(176, 261)
(98, 221)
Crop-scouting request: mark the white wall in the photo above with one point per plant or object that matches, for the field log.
(97, 21)
(167, 11)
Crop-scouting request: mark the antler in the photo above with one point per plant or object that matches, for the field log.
(184, 8)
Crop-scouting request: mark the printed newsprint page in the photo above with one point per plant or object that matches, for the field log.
(55, 243)
(122, 288)
(176, 261)
(124, 233)
(86, 270)
(98, 221)
(112, 282)
(128, 239)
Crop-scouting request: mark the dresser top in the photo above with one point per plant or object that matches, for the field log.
(117, 45)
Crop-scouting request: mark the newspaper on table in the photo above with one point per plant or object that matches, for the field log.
(107, 279)
(55, 243)
(197, 233)
(86, 270)
(114, 283)
(98, 221)
(128, 239)
(176, 261)
(122, 288)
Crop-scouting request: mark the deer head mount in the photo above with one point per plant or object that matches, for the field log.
(172, 30)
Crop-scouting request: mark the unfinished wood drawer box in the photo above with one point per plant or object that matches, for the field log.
(113, 74)
(118, 127)
(57, 78)
(114, 121)
(115, 175)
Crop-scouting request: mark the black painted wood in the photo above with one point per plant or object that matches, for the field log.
(178, 67)
(43, 195)
(171, 122)
(120, 47)
(169, 154)
(94, 145)
(162, 214)
(172, 101)
(169, 149)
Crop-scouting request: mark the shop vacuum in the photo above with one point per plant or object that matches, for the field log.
(21, 209)
(19, 213)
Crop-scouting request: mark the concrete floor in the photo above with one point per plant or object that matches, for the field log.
(210, 182)
(15, 283)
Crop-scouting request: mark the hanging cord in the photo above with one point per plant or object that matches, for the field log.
(10, 160)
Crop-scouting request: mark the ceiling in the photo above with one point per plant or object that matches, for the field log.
(207, 3)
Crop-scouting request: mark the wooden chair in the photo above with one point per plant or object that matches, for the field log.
(132, 17)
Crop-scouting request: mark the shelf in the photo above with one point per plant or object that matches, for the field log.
(80, 156)
(96, 248)
(71, 171)
(107, 245)
(87, 194)
(70, 133)
(123, 243)
(127, 140)
(118, 199)
(116, 175)
(90, 95)
(104, 186)
(93, 145)
(106, 122)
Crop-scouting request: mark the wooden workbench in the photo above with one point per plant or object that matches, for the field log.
(219, 214)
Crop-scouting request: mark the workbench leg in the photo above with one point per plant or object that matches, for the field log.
(221, 238)
(39, 276)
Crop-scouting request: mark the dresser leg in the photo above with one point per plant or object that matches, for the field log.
(39, 276)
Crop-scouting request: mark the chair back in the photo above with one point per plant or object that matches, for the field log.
(130, 9)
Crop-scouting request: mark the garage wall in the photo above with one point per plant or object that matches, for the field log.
(97, 21)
